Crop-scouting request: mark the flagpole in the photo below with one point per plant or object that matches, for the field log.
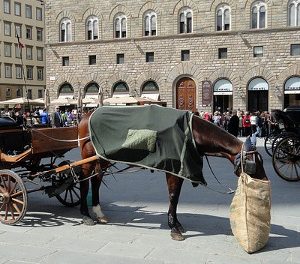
(21, 46)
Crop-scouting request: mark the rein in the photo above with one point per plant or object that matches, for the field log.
(63, 140)
(224, 186)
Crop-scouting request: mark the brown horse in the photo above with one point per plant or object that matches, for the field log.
(210, 140)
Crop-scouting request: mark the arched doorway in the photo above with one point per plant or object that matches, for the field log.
(186, 94)
(223, 95)
(258, 95)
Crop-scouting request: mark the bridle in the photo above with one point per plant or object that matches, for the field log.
(244, 163)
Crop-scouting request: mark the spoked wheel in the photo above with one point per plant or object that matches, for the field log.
(268, 143)
(13, 198)
(71, 196)
(286, 158)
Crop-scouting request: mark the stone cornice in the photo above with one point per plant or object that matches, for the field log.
(177, 36)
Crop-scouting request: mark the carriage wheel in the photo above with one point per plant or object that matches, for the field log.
(71, 196)
(268, 144)
(13, 198)
(286, 158)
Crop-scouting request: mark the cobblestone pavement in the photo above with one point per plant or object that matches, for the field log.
(136, 204)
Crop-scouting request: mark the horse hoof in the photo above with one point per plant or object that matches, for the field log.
(103, 220)
(88, 221)
(177, 236)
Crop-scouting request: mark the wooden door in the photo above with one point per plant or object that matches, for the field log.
(186, 94)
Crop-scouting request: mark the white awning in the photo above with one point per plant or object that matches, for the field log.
(222, 93)
(117, 95)
(222, 85)
(258, 84)
(154, 96)
(292, 86)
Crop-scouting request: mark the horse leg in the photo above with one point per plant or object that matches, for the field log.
(84, 189)
(96, 182)
(174, 187)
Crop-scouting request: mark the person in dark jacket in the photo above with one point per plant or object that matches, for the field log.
(233, 124)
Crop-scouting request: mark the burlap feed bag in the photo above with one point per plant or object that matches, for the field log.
(250, 213)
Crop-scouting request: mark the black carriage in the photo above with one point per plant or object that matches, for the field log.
(286, 146)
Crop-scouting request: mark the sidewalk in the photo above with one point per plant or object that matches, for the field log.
(136, 204)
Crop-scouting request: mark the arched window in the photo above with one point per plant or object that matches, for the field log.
(150, 90)
(120, 88)
(66, 89)
(92, 28)
(185, 20)
(294, 13)
(120, 26)
(150, 23)
(92, 89)
(65, 30)
(258, 15)
(223, 18)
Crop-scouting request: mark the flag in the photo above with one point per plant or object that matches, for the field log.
(20, 45)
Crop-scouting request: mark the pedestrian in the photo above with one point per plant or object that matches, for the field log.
(44, 117)
(56, 118)
(247, 124)
(233, 124)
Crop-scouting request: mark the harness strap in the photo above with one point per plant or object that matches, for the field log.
(63, 140)
(224, 186)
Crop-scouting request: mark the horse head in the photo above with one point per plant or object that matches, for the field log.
(212, 140)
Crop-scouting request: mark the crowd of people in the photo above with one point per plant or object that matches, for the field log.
(242, 123)
(238, 123)
(41, 117)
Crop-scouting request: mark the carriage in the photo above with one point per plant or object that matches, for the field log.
(286, 145)
(35, 154)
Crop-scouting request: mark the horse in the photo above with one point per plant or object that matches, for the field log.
(210, 140)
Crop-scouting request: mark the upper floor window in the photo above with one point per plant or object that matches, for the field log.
(294, 13)
(120, 26)
(150, 23)
(17, 9)
(258, 15)
(185, 21)
(65, 30)
(28, 11)
(7, 28)
(39, 14)
(39, 34)
(92, 28)
(6, 6)
(223, 18)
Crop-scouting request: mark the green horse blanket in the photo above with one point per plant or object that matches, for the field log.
(151, 136)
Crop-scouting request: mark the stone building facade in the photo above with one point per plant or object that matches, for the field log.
(193, 54)
(22, 69)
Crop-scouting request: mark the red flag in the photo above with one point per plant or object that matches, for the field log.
(20, 45)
